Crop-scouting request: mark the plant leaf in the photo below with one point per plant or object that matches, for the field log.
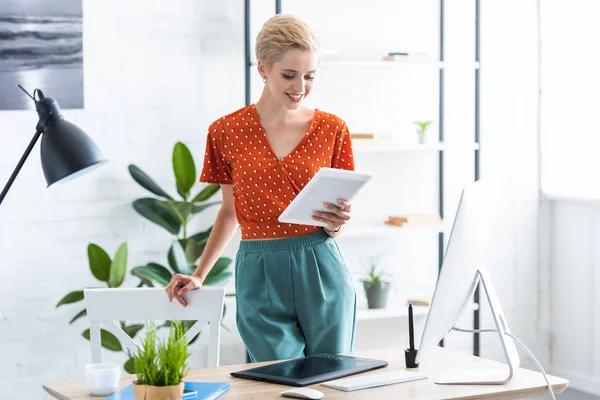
(79, 315)
(202, 237)
(181, 209)
(72, 297)
(177, 259)
(132, 330)
(193, 250)
(201, 207)
(154, 273)
(129, 366)
(158, 212)
(108, 340)
(118, 267)
(145, 282)
(219, 273)
(183, 195)
(184, 168)
(99, 262)
(207, 193)
(146, 182)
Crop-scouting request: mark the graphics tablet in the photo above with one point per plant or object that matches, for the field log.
(327, 186)
(309, 370)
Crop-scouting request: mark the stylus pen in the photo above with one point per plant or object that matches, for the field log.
(411, 333)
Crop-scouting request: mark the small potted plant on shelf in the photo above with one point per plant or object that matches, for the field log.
(422, 127)
(376, 285)
(161, 365)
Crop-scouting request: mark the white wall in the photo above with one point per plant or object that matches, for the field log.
(156, 73)
(511, 157)
(571, 217)
(569, 97)
(574, 270)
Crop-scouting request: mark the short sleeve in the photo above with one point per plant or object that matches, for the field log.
(215, 169)
(343, 157)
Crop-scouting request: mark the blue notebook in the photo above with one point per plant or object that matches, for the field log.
(204, 391)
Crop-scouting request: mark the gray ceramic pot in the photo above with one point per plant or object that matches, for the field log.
(377, 294)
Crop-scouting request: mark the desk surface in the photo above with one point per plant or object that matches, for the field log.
(525, 383)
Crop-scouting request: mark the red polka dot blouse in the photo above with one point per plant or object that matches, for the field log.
(238, 154)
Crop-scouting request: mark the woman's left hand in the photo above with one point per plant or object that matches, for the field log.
(337, 216)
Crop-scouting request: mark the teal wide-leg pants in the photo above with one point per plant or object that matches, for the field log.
(294, 297)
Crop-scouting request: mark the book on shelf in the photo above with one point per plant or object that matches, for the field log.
(362, 136)
(419, 301)
(405, 56)
(413, 220)
(395, 57)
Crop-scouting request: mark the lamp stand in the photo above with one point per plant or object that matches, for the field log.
(20, 164)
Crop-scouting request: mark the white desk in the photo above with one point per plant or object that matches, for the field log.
(524, 384)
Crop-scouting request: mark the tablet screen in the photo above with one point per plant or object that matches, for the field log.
(307, 367)
(327, 186)
(308, 370)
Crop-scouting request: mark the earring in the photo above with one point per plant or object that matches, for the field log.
(264, 80)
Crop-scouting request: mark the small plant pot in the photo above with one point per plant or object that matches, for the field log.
(146, 392)
(422, 138)
(377, 294)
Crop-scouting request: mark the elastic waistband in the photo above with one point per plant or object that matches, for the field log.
(293, 242)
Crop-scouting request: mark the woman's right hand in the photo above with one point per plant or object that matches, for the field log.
(180, 285)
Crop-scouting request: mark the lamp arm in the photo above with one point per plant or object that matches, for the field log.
(20, 164)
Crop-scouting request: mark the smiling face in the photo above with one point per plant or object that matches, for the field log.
(290, 79)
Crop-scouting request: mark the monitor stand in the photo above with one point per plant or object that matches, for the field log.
(495, 376)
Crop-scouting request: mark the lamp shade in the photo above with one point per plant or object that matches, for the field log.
(67, 152)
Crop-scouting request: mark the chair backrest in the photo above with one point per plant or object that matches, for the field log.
(108, 306)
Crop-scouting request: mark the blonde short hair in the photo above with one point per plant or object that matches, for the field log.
(281, 33)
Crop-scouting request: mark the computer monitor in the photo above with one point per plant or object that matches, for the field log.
(464, 265)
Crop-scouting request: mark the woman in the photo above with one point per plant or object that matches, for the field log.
(294, 294)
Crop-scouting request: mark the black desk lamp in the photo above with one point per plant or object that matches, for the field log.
(66, 151)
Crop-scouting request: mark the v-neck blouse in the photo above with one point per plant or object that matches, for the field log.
(238, 154)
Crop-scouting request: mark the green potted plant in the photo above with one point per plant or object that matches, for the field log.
(161, 365)
(174, 214)
(376, 285)
(422, 127)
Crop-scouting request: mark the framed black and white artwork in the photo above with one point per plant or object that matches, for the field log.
(41, 46)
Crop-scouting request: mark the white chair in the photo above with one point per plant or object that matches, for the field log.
(108, 306)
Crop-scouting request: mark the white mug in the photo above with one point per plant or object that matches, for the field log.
(102, 379)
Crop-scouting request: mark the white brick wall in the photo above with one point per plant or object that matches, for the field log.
(160, 72)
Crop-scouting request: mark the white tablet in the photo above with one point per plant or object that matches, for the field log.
(327, 186)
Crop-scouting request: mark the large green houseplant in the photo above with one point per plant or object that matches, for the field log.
(175, 216)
